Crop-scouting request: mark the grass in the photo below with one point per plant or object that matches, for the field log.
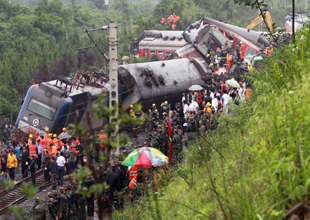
(258, 166)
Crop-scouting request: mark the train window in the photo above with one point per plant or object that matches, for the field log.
(42, 109)
(249, 52)
(152, 52)
(168, 53)
(160, 54)
(230, 37)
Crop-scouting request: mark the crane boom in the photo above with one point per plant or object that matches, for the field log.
(259, 19)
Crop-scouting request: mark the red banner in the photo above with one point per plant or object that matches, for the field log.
(169, 132)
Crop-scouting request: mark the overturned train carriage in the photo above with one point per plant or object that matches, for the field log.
(155, 82)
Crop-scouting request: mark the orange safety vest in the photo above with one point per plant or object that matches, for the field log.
(156, 179)
(33, 151)
(133, 172)
(75, 150)
(54, 150)
(173, 26)
(56, 142)
(133, 183)
(49, 141)
(242, 52)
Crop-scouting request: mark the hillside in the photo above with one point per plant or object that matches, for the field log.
(40, 42)
(258, 165)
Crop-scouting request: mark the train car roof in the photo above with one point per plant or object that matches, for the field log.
(178, 74)
(250, 35)
(160, 34)
(77, 84)
(161, 43)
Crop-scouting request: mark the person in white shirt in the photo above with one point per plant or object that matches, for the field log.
(185, 108)
(194, 105)
(60, 163)
(225, 100)
(183, 97)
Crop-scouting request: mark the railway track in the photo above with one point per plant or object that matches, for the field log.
(16, 196)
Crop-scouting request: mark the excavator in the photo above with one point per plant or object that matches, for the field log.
(259, 19)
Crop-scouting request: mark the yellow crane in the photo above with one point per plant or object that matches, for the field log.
(259, 19)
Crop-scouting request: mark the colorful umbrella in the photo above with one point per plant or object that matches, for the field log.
(146, 157)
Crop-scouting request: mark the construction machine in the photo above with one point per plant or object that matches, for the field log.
(259, 19)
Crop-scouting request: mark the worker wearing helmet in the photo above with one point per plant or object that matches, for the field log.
(164, 107)
(242, 51)
(55, 140)
(209, 108)
(30, 139)
(208, 59)
(223, 56)
(155, 119)
(46, 134)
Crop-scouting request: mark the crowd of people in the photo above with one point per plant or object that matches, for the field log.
(197, 112)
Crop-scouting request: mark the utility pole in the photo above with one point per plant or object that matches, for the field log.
(72, 12)
(113, 96)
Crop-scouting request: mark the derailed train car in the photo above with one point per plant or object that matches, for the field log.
(57, 103)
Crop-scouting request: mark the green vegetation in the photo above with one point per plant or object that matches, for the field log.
(259, 161)
(40, 42)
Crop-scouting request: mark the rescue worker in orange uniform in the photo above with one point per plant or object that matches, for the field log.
(163, 20)
(136, 182)
(49, 140)
(46, 134)
(30, 139)
(242, 51)
(132, 172)
(102, 137)
(33, 151)
(64, 130)
(229, 60)
(173, 26)
(55, 141)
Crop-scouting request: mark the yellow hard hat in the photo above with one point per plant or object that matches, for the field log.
(267, 47)
(208, 55)
(166, 102)
(131, 106)
(46, 129)
(64, 129)
(30, 135)
(55, 135)
(50, 134)
(208, 104)
(153, 104)
(211, 64)
(249, 64)
(171, 112)
(155, 110)
(219, 58)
